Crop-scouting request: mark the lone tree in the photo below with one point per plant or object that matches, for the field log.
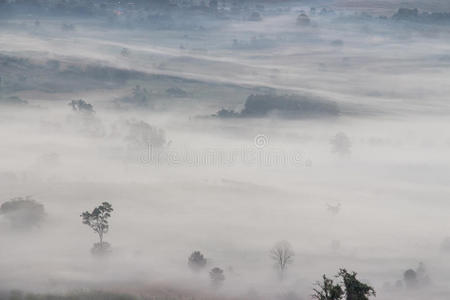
(328, 290)
(98, 221)
(283, 256)
(217, 277)
(410, 278)
(23, 212)
(355, 289)
(196, 261)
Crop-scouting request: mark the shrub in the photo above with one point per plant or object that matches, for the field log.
(23, 213)
(197, 261)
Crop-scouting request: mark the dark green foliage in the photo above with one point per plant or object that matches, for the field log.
(98, 219)
(197, 261)
(328, 290)
(355, 289)
(23, 213)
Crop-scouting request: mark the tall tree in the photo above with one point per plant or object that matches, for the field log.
(283, 255)
(98, 219)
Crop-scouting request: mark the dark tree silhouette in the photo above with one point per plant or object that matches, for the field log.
(410, 278)
(283, 256)
(217, 277)
(197, 261)
(82, 106)
(328, 290)
(98, 221)
(355, 289)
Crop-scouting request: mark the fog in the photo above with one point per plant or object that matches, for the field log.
(226, 132)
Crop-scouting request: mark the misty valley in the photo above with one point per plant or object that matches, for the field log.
(224, 149)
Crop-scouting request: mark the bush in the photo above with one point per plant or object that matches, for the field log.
(217, 277)
(23, 213)
(197, 261)
(82, 106)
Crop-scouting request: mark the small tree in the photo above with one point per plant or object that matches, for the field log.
(283, 256)
(98, 221)
(355, 289)
(410, 278)
(196, 261)
(217, 277)
(327, 290)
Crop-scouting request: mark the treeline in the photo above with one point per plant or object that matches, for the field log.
(287, 106)
(99, 7)
(413, 14)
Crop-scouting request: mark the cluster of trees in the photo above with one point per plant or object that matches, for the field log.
(23, 212)
(197, 262)
(349, 288)
(413, 14)
(100, 7)
(76, 7)
(289, 106)
(84, 119)
(136, 134)
(27, 213)
(413, 278)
